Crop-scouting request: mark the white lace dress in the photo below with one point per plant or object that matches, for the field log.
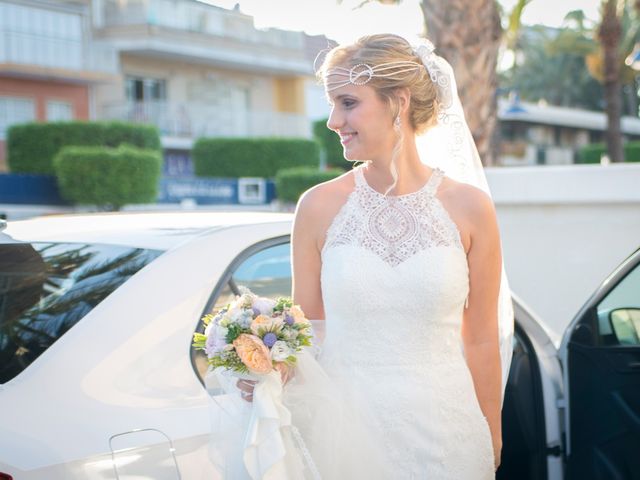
(394, 285)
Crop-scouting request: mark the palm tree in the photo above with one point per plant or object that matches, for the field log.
(609, 34)
(468, 34)
(553, 67)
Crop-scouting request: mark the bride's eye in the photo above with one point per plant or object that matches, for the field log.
(348, 103)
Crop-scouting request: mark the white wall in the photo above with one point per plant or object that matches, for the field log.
(564, 229)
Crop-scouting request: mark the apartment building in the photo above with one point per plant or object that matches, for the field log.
(190, 68)
(49, 63)
(194, 69)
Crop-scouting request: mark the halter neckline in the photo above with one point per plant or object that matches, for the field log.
(361, 180)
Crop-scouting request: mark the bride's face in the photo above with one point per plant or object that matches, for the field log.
(363, 121)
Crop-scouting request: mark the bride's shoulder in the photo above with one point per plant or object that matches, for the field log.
(470, 204)
(319, 199)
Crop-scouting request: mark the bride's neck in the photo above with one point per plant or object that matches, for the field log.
(411, 172)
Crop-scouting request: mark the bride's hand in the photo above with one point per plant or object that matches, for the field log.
(497, 454)
(246, 386)
(286, 372)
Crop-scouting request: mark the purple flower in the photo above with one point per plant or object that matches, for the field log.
(256, 311)
(214, 344)
(288, 319)
(264, 305)
(269, 339)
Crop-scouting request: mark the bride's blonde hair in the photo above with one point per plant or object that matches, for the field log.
(386, 48)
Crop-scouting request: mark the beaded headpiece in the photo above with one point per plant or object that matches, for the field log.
(362, 73)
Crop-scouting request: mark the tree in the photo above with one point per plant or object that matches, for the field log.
(609, 34)
(553, 67)
(468, 34)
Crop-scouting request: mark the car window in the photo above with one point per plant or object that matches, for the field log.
(47, 288)
(619, 312)
(265, 271)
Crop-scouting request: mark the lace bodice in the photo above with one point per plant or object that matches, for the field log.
(393, 227)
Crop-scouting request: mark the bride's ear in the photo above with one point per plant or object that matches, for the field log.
(403, 99)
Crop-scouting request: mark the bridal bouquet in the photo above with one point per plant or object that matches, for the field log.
(259, 338)
(254, 335)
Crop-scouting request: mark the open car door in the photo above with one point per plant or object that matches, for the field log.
(600, 353)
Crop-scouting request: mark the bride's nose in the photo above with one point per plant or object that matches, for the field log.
(335, 120)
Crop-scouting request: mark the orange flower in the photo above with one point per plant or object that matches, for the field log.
(298, 314)
(265, 322)
(253, 353)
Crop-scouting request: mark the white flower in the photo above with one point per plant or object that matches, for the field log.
(264, 305)
(280, 351)
(235, 315)
(290, 334)
(207, 330)
(245, 300)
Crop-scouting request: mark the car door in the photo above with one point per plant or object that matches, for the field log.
(601, 357)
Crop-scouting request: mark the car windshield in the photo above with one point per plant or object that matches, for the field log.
(46, 288)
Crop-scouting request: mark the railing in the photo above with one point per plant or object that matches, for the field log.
(193, 120)
(66, 53)
(194, 17)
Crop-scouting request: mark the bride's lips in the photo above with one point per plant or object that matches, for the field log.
(346, 137)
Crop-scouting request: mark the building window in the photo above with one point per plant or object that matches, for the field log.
(58, 111)
(39, 36)
(145, 89)
(15, 110)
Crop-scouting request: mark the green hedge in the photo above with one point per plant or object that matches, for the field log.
(592, 152)
(252, 157)
(31, 147)
(632, 151)
(108, 177)
(293, 182)
(330, 143)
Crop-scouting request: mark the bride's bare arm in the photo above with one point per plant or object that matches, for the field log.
(480, 321)
(305, 255)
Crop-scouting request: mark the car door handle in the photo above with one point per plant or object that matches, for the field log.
(634, 365)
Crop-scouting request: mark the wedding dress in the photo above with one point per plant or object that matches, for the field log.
(389, 395)
(394, 286)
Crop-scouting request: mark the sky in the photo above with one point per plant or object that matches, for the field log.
(342, 22)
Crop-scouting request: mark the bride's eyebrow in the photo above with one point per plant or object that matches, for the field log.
(340, 97)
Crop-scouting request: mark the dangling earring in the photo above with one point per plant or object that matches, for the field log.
(396, 123)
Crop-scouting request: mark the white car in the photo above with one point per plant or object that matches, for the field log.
(98, 379)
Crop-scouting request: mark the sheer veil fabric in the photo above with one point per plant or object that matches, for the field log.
(449, 145)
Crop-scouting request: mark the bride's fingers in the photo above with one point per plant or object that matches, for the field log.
(246, 385)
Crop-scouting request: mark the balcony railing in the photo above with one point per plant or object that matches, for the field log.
(70, 54)
(189, 120)
(192, 16)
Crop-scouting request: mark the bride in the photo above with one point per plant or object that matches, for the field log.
(401, 258)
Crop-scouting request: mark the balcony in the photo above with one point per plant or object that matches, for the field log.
(190, 120)
(49, 40)
(192, 31)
